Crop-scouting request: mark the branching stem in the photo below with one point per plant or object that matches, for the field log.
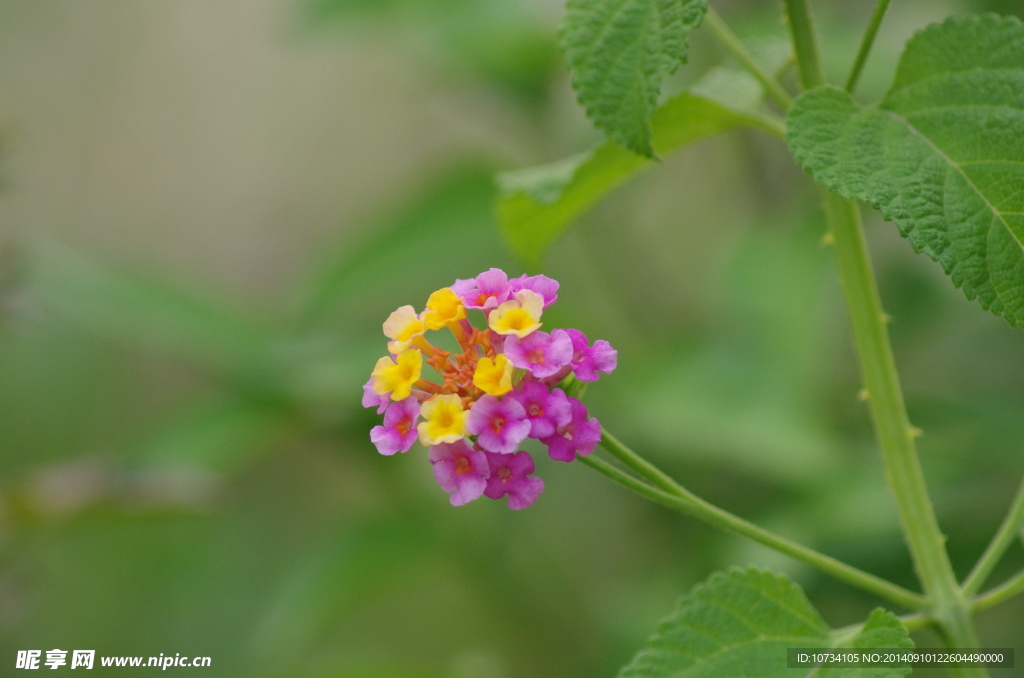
(1013, 587)
(667, 492)
(1004, 537)
(736, 47)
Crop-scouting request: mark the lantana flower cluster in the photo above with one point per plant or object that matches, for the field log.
(500, 390)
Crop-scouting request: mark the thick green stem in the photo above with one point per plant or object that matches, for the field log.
(671, 494)
(732, 43)
(895, 434)
(878, 368)
(801, 29)
(1004, 537)
(865, 44)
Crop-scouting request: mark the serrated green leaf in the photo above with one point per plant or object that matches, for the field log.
(942, 155)
(882, 630)
(741, 622)
(618, 52)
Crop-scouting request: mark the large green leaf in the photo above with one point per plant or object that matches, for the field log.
(741, 622)
(942, 155)
(619, 51)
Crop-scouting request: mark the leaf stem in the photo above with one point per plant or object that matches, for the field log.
(768, 122)
(865, 44)
(1004, 592)
(912, 622)
(1004, 537)
(895, 434)
(670, 494)
(885, 396)
(736, 47)
(801, 29)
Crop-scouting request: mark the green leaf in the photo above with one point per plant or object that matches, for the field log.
(539, 203)
(942, 155)
(741, 622)
(618, 52)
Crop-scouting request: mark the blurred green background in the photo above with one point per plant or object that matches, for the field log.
(208, 209)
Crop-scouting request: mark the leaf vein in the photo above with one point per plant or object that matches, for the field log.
(938, 151)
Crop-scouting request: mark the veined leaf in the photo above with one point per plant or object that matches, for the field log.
(741, 622)
(942, 155)
(619, 51)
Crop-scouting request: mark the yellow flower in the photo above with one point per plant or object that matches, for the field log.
(443, 308)
(445, 420)
(519, 316)
(398, 377)
(494, 377)
(403, 326)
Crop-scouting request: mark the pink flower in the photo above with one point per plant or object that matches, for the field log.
(371, 399)
(500, 425)
(541, 284)
(484, 292)
(509, 476)
(541, 353)
(399, 430)
(588, 361)
(545, 411)
(460, 470)
(579, 436)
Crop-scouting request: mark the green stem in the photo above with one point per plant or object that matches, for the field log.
(801, 29)
(1013, 587)
(865, 44)
(895, 434)
(673, 496)
(768, 122)
(912, 622)
(735, 47)
(878, 368)
(1004, 537)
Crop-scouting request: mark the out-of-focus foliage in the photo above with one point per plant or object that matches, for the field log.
(182, 470)
(538, 203)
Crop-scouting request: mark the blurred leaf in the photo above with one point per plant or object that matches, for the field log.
(539, 203)
(221, 435)
(941, 155)
(740, 623)
(618, 52)
(329, 582)
(734, 87)
(140, 311)
(445, 229)
(749, 396)
(505, 42)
